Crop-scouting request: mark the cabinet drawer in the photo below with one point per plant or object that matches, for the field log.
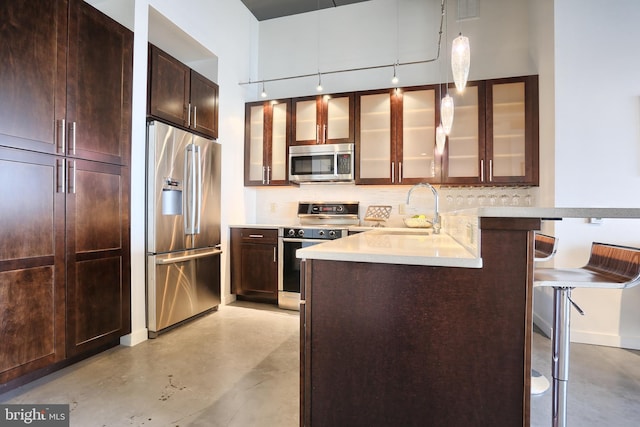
(259, 235)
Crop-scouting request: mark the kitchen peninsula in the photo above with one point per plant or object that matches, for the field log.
(438, 337)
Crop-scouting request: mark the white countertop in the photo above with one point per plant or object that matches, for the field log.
(395, 246)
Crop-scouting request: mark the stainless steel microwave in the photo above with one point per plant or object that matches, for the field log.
(325, 162)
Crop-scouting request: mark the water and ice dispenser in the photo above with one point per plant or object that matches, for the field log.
(171, 197)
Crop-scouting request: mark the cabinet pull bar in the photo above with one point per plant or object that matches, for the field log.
(72, 177)
(72, 144)
(61, 185)
(400, 172)
(264, 170)
(195, 116)
(393, 172)
(324, 141)
(62, 136)
(482, 170)
(268, 175)
(256, 236)
(189, 115)
(490, 170)
(275, 258)
(317, 134)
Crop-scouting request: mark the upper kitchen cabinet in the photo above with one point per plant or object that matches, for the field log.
(181, 96)
(266, 133)
(494, 139)
(65, 80)
(323, 119)
(395, 136)
(512, 131)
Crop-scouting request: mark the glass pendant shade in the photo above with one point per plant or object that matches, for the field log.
(460, 60)
(264, 93)
(441, 138)
(319, 87)
(446, 113)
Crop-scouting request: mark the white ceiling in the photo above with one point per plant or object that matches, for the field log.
(269, 9)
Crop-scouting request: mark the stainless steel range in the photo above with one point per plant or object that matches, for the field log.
(318, 222)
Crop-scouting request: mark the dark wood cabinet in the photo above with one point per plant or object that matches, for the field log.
(395, 136)
(181, 96)
(267, 126)
(494, 139)
(254, 264)
(323, 119)
(65, 80)
(64, 250)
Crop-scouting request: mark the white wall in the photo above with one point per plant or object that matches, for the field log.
(597, 150)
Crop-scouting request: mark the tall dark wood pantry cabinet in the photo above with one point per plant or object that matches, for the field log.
(65, 100)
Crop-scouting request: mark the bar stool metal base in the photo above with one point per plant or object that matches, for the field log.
(560, 354)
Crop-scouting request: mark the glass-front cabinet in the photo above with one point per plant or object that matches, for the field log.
(494, 138)
(267, 127)
(395, 136)
(324, 119)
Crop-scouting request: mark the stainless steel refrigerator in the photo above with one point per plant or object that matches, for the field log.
(183, 226)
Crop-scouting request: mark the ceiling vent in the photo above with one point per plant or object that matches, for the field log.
(468, 9)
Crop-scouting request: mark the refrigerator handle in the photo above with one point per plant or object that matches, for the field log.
(190, 190)
(198, 184)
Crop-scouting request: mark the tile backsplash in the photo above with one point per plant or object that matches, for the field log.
(278, 205)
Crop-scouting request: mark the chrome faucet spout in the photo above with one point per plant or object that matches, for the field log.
(436, 212)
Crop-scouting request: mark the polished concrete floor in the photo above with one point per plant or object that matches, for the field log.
(238, 367)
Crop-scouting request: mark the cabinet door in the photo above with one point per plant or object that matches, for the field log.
(464, 161)
(98, 291)
(204, 105)
(375, 138)
(254, 264)
(306, 122)
(267, 127)
(512, 128)
(32, 73)
(416, 154)
(168, 88)
(32, 293)
(99, 77)
(338, 113)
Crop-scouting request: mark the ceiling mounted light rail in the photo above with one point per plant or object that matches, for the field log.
(393, 65)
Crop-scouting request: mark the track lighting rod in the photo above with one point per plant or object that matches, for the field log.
(373, 67)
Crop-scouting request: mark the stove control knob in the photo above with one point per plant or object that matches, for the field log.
(321, 233)
(332, 233)
(300, 233)
(291, 232)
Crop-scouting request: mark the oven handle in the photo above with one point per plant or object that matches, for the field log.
(302, 240)
(325, 216)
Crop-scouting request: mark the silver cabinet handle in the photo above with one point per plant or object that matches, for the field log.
(275, 258)
(72, 144)
(256, 236)
(264, 171)
(490, 170)
(195, 116)
(317, 134)
(61, 169)
(189, 115)
(324, 140)
(482, 170)
(400, 172)
(268, 175)
(393, 172)
(62, 136)
(72, 176)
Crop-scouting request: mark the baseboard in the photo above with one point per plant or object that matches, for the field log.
(608, 340)
(135, 337)
(544, 326)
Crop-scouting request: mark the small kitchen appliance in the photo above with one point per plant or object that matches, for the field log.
(320, 163)
(319, 222)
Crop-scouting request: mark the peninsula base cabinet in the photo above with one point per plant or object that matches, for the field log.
(406, 345)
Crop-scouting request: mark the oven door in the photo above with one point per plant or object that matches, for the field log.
(289, 271)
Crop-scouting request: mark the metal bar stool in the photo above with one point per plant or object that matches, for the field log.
(609, 267)
(545, 248)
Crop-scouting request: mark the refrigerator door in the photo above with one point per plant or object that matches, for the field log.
(180, 286)
(183, 199)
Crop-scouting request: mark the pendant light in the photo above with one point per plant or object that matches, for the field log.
(264, 93)
(441, 138)
(395, 79)
(460, 60)
(319, 87)
(446, 113)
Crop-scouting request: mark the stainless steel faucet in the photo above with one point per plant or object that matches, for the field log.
(436, 212)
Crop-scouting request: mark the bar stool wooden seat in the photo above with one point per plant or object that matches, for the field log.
(609, 267)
